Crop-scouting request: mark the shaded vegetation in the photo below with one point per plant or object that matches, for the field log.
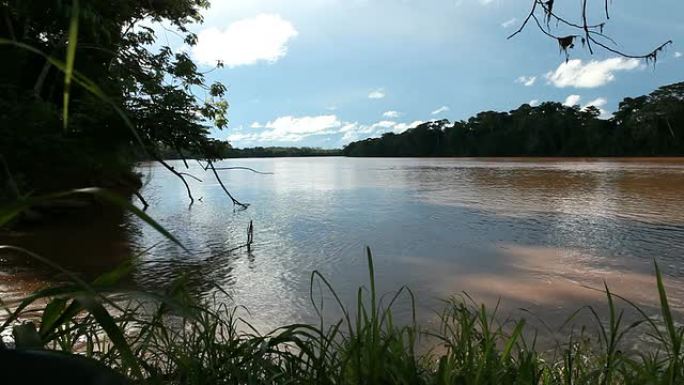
(76, 134)
(651, 125)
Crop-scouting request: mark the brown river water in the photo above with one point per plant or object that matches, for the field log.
(538, 234)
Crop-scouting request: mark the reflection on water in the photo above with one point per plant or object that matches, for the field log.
(538, 233)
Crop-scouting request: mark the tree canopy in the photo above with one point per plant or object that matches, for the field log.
(650, 125)
(166, 99)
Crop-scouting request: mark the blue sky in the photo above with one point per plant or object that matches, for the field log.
(325, 72)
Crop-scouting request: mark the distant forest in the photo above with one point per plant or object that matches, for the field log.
(224, 150)
(273, 152)
(650, 125)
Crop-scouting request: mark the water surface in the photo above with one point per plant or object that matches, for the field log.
(534, 233)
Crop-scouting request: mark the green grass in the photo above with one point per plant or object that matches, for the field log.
(172, 338)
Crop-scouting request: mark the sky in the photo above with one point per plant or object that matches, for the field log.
(322, 73)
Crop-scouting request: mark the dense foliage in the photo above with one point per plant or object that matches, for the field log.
(651, 125)
(151, 84)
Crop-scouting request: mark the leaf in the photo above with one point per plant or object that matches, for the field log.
(110, 278)
(51, 314)
(26, 336)
(116, 336)
(511, 341)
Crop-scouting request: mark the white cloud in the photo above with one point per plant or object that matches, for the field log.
(572, 100)
(599, 103)
(377, 94)
(292, 129)
(534, 102)
(401, 127)
(440, 110)
(391, 114)
(678, 54)
(244, 42)
(509, 23)
(355, 131)
(527, 81)
(574, 73)
(296, 129)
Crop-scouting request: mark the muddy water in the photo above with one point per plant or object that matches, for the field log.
(542, 234)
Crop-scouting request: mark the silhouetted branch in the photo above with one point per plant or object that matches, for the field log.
(178, 174)
(191, 176)
(142, 200)
(210, 164)
(250, 236)
(587, 33)
(180, 153)
(243, 168)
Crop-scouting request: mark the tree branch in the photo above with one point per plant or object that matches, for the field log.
(142, 200)
(210, 164)
(243, 168)
(587, 32)
(178, 174)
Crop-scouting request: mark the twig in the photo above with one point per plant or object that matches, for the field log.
(191, 176)
(243, 168)
(178, 174)
(590, 32)
(210, 164)
(250, 236)
(142, 200)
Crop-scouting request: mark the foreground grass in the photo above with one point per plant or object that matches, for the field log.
(173, 339)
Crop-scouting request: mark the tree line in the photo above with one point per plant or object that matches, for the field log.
(223, 150)
(649, 125)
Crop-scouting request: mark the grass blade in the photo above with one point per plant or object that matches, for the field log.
(70, 58)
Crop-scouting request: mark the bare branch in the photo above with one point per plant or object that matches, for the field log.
(588, 33)
(243, 168)
(178, 174)
(142, 200)
(191, 176)
(210, 164)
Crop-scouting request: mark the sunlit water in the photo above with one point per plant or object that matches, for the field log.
(535, 233)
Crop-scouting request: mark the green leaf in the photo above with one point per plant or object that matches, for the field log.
(116, 336)
(51, 314)
(26, 336)
(511, 341)
(110, 278)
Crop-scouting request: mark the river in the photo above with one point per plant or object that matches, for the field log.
(539, 234)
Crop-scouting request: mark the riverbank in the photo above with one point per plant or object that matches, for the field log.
(174, 339)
